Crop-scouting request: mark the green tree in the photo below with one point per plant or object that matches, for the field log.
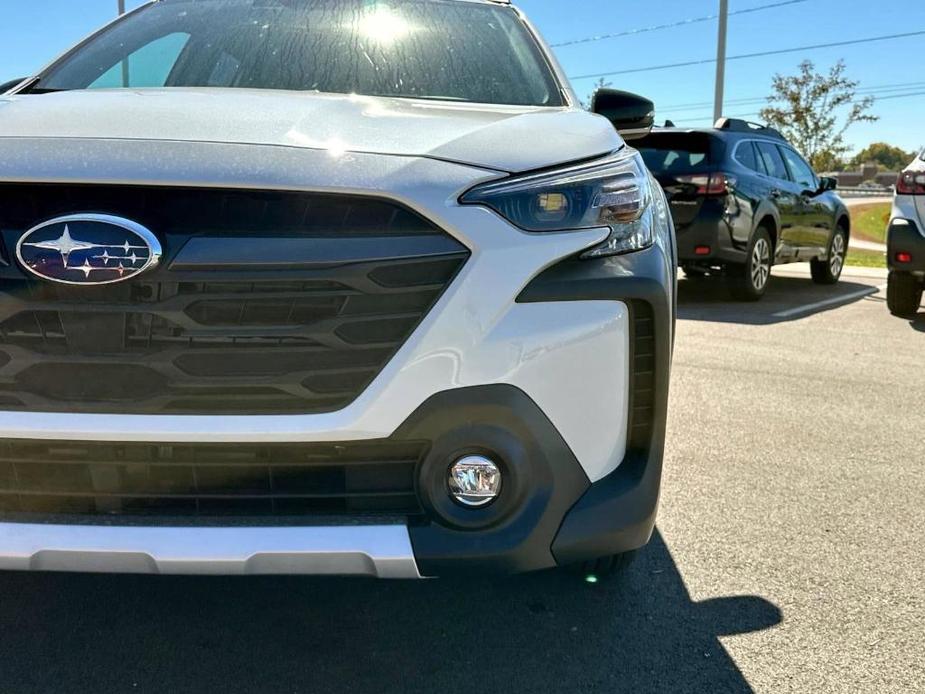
(814, 110)
(827, 161)
(886, 157)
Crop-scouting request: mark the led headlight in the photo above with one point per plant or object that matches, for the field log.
(614, 192)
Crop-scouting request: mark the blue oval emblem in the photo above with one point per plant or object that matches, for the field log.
(88, 249)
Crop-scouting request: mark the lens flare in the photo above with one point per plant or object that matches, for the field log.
(384, 25)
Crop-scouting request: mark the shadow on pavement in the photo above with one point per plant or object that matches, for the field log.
(708, 299)
(917, 323)
(548, 632)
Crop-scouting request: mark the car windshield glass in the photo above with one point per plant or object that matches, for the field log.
(681, 154)
(428, 49)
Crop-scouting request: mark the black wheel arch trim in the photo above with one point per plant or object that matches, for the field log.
(617, 514)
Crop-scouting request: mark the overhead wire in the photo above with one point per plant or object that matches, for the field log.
(672, 25)
(759, 54)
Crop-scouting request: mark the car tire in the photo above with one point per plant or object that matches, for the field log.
(749, 282)
(903, 294)
(829, 271)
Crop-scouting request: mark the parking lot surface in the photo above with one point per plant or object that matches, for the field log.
(788, 555)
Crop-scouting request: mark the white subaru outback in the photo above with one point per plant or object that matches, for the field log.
(327, 286)
(906, 241)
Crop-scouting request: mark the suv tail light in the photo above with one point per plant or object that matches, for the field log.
(707, 184)
(911, 183)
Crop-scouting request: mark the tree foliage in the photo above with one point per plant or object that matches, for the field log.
(886, 157)
(814, 110)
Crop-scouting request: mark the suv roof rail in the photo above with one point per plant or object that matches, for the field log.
(745, 126)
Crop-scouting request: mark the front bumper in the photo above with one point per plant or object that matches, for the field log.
(567, 386)
(550, 513)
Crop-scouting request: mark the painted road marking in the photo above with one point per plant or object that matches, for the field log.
(845, 298)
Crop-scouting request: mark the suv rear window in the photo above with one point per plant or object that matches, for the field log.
(423, 49)
(676, 153)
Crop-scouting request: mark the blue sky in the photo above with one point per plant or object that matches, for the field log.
(32, 33)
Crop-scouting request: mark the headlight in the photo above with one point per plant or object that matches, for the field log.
(614, 192)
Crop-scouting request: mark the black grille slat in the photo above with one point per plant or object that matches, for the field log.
(93, 478)
(183, 340)
(642, 395)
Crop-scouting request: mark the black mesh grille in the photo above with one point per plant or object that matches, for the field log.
(76, 478)
(236, 339)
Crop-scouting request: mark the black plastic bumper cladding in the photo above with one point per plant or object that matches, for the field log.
(617, 514)
(542, 480)
(906, 238)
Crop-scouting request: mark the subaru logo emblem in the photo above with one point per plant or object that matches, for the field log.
(88, 249)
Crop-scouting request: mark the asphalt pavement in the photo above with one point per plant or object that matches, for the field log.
(788, 556)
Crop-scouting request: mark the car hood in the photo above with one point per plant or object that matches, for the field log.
(505, 138)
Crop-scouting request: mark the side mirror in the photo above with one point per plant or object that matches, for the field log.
(7, 86)
(827, 183)
(632, 115)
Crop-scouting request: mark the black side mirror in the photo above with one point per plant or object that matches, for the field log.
(7, 86)
(632, 115)
(827, 183)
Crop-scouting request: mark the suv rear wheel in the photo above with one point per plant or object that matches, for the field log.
(829, 271)
(750, 281)
(903, 294)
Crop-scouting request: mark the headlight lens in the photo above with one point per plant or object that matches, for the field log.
(615, 192)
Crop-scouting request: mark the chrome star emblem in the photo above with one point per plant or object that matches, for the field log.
(64, 244)
(101, 249)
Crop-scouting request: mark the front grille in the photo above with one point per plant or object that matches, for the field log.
(206, 480)
(236, 337)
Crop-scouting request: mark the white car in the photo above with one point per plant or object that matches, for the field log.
(329, 287)
(906, 241)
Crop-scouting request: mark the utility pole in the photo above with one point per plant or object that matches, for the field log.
(721, 60)
(124, 62)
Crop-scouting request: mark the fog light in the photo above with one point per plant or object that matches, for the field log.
(474, 481)
(702, 250)
(903, 257)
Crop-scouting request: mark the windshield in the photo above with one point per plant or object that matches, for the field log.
(430, 49)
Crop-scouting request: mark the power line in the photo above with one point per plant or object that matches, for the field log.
(744, 56)
(755, 99)
(758, 113)
(872, 89)
(673, 25)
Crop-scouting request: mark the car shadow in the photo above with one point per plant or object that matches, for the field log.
(916, 323)
(787, 299)
(547, 632)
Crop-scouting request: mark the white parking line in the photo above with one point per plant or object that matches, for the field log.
(808, 308)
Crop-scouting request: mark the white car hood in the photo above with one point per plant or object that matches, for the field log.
(505, 138)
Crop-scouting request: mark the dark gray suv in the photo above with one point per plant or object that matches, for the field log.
(743, 199)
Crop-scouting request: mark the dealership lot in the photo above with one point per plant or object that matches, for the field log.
(788, 555)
